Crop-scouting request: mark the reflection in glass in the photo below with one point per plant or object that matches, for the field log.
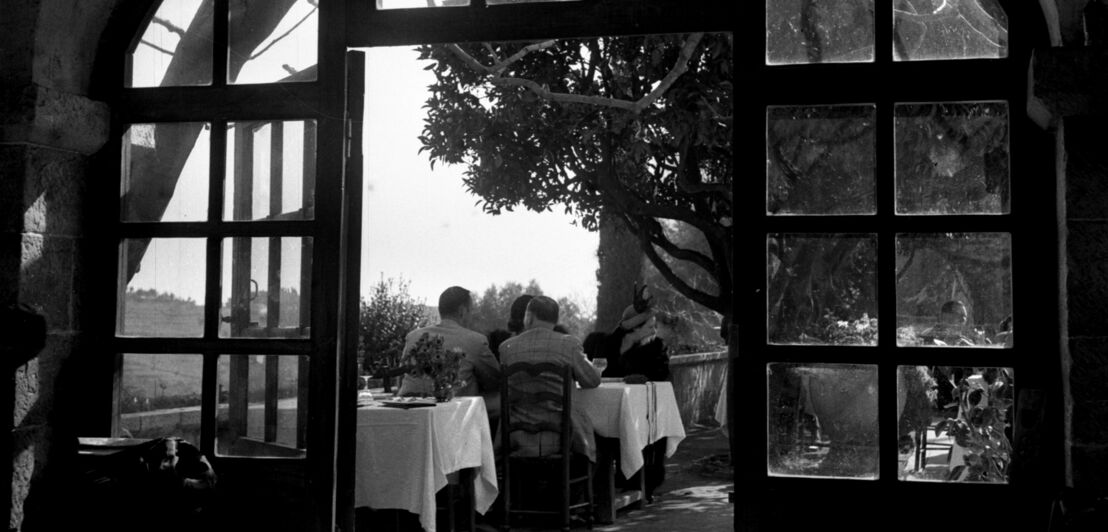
(405, 4)
(164, 173)
(165, 287)
(822, 420)
(955, 423)
(159, 396)
(820, 160)
(270, 171)
(952, 158)
(822, 289)
(262, 406)
(265, 283)
(837, 31)
(272, 41)
(954, 290)
(933, 29)
(175, 48)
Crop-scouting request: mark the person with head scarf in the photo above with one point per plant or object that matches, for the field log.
(633, 349)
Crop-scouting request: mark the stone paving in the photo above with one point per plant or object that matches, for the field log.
(694, 496)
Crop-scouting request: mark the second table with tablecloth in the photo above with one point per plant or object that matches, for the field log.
(403, 456)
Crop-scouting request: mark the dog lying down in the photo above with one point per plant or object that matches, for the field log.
(176, 462)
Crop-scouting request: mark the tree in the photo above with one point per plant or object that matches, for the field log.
(389, 315)
(634, 127)
(491, 309)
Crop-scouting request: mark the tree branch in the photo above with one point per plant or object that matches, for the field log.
(173, 28)
(495, 77)
(283, 35)
(695, 294)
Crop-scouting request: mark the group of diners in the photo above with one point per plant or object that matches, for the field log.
(633, 352)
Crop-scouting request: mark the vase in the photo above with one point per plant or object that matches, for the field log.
(443, 392)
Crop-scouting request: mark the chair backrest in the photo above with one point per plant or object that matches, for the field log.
(535, 398)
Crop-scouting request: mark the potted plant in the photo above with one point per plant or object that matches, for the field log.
(428, 360)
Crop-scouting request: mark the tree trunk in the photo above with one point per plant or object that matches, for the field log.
(620, 258)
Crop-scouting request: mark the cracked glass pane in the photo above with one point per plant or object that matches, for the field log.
(820, 160)
(952, 158)
(949, 29)
(807, 31)
(955, 423)
(954, 290)
(822, 289)
(822, 420)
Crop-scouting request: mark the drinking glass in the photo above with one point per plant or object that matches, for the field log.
(600, 364)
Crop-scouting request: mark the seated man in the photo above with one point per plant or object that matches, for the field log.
(479, 370)
(539, 343)
(951, 328)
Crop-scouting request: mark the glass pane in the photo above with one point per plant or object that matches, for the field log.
(272, 41)
(947, 29)
(820, 160)
(265, 287)
(952, 158)
(159, 396)
(403, 4)
(955, 423)
(833, 31)
(270, 171)
(165, 173)
(165, 287)
(493, 2)
(822, 420)
(822, 289)
(176, 47)
(263, 406)
(954, 290)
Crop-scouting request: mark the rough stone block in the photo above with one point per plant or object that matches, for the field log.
(1090, 423)
(53, 197)
(1090, 467)
(47, 283)
(48, 117)
(1089, 369)
(1086, 169)
(1087, 278)
(26, 392)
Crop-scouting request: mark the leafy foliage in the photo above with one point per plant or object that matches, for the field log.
(601, 125)
(983, 404)
(490, 310)
(385, 319)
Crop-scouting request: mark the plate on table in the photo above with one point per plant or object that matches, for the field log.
(408, 402)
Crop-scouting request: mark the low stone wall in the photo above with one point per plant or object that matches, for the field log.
(698, 380)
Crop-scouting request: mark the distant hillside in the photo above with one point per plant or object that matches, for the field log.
(151, 313)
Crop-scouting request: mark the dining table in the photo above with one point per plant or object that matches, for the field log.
(637, 415)
(406, 453)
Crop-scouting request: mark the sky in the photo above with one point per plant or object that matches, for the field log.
(420, 226)
(423, 226)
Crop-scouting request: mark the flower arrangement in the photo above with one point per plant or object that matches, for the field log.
(429, 360)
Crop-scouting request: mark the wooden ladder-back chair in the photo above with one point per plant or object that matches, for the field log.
(526, 389)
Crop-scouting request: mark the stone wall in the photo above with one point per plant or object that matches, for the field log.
(697, 381)
(49, 129)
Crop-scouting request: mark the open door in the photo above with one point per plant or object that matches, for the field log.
(349, 286)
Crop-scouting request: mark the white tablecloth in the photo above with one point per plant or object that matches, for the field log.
(637, 414)
(404, 455)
